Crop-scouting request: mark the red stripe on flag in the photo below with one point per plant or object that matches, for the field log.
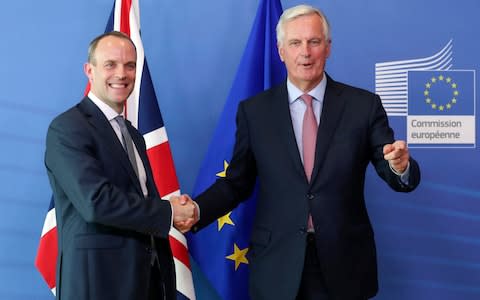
(181, 252)
(125, 17)
(46, 260)
(87, 89)
(161, 160)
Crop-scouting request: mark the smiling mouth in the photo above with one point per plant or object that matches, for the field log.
(118, 85)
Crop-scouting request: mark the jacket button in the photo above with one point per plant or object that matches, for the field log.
(310, 196)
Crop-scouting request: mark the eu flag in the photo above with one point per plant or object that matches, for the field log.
(220, 249)
(441, 92)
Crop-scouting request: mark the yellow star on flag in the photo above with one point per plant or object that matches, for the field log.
(224, 172)
(239, 256)
(225, 220)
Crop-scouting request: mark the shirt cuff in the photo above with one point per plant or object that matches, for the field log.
(171, 216)
(198, 211)
(403, 176)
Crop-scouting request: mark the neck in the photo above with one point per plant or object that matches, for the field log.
(306, 86)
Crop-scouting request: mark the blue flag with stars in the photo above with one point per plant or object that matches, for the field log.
(220, 249)
(441, 92)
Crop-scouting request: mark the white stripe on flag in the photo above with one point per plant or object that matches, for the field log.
(134, 99)
(178, 236)
(50, 222)
(183, 273)
(155, 137)
(183, 277)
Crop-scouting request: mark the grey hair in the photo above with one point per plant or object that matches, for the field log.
(298, 11)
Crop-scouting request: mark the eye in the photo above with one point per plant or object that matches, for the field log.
(131, 66)
(315, 42)
(294, 43)
(109, 64)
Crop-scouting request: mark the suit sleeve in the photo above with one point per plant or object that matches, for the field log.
(227, 193)
(380, 134)
(78, 175)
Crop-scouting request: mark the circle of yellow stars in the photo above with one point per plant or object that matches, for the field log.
(436, 80)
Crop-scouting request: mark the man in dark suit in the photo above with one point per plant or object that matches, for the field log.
(312, 237)
(112, 225)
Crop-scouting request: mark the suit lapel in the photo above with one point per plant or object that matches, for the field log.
(281, 109)
(140, 145)
(109, 139)
(333, 106)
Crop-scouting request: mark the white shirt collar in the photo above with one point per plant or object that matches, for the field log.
(318, 92)
(109, 112)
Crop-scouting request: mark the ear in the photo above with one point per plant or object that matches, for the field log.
(281, 52)
(88, 70)
(328, 48)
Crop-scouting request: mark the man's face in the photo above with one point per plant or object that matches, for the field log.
(304, 50)
(112, 71)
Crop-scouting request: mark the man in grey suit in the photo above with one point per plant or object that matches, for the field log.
(308, 142)
(112, 225)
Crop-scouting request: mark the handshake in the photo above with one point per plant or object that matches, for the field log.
(185, 212)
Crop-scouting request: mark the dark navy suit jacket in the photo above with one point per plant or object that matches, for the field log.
(104, 221)
(352, 132)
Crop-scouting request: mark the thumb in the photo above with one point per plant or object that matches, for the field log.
(184, 199)
(387, 148)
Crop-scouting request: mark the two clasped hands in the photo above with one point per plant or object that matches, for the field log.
(185, 212)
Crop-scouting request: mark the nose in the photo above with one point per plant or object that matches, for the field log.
(120, 73)
(305, 50)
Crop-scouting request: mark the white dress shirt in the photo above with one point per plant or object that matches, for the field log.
(110, 114)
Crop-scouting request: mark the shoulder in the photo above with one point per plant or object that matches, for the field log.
(344, 89)
(77, 113)
(70, 116)
(354, 97)
(74, 119)
(265, 98)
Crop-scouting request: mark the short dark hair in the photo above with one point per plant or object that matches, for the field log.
(94, 43)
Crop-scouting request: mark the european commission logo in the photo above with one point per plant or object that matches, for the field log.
(439, 102)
